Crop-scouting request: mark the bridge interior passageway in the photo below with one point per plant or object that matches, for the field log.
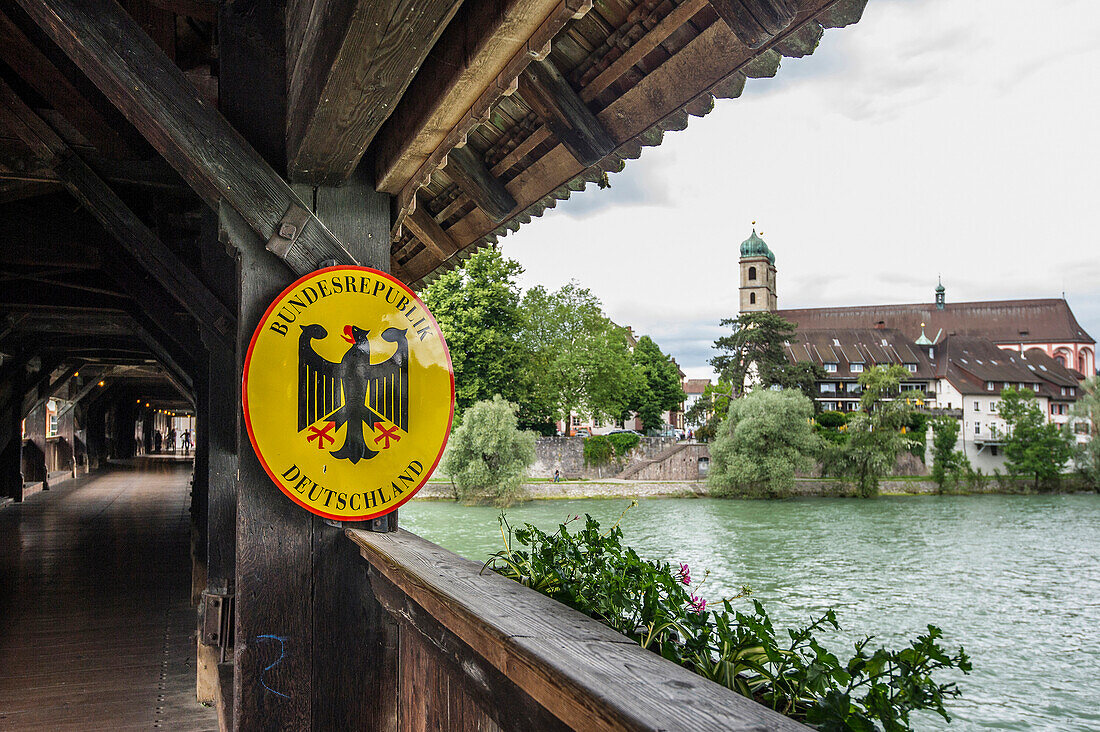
(96, 626)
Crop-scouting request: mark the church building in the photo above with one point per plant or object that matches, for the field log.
(1019, 325)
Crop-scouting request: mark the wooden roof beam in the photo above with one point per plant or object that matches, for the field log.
(48, 81)
(472, 52)
(468, 171)
(122, 223)
(551, 97)
(755, 22)
(19, 163)
(427, 230)
(354, 61)
(195, 139)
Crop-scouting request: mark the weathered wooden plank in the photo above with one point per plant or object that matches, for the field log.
(467, 59)
(356, 59)
(122, 223)
(755, 22)
(586, 674)
(468, 171)
(496, 698)
(195, 139)
(49, 82)
(427, 229)
(551, 97)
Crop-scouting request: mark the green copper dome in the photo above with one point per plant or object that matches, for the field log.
(939, 287)
(754, 246)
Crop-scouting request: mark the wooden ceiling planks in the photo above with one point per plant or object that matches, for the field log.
(665, 62)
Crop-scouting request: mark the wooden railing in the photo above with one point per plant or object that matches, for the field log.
(479, 651)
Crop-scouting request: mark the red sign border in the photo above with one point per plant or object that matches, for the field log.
(248, 362)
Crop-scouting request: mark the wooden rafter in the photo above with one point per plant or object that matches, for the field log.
(536, 46)
(19, 164)
(427, 230)
(468, 58)
(193, 137)
(105, 205)
(49, 82)
(468, 171)
(551, 97)
(354, 61)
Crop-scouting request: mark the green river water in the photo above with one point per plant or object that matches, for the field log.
(1014, 579)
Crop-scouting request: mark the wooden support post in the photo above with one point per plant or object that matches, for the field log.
(551, 97)
(212, 156)
(755, 22)
(466, 168)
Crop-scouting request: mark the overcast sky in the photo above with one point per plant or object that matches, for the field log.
(947, 137)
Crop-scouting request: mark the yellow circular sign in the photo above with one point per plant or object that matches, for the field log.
(348, 393)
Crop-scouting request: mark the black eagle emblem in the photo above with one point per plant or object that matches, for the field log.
(353, 392)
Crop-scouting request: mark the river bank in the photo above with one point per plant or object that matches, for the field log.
(804, 488)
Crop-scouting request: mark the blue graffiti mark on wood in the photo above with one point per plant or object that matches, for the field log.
(282, 654)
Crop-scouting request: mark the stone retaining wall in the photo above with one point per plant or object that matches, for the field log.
(566, 454)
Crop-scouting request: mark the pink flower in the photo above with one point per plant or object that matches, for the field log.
(685, 574)
(697, 604)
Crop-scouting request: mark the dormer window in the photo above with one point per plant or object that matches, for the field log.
(912, 367)
(857, 368)
(1035, 387)
(989, 386)
(830, 368)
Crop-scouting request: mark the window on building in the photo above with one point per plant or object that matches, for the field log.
(1054, 409)
(828, 406)
(977, 406)
(1035, 387)
(752, 273)
(994, 406)
(51, 418)
(828, 388)
(830, 368)
(993, 450)
(1072, 391)
(1004, 385)
(1063, 391)
(989, 386)
(752, 298)
(836, 342)
(857, 368)
(977, 428)
(912, 367)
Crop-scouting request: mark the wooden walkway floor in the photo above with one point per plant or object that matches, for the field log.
(96, 628)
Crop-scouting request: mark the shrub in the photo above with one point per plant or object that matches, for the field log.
(831, 420)
(488, 456)
(766, 438)
(789, 670)
(597, 450)
(624, 442)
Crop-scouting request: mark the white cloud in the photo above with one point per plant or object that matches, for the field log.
(932, 137)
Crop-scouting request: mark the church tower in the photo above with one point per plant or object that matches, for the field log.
(757, 276)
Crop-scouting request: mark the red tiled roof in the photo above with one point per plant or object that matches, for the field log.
(1001, 321)
(696, 386)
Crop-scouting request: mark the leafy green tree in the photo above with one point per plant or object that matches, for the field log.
(478, 309)
(659, 388)
(878, 433)
(708, 411)
(765, 439)
(754, 348)
(1086, 413)
(488, 455)
(579, 359)
(1033, 446)
(948, 464)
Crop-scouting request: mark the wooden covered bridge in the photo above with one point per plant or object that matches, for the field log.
(167, 167)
